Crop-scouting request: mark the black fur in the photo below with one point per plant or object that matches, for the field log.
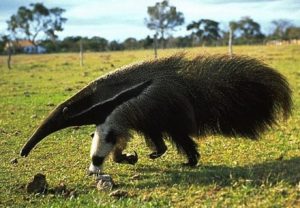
(231, 96)
(97, 161)
(237, 96)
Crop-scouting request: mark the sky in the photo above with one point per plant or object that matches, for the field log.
(120, 19)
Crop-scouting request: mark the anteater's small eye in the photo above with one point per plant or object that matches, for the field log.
(92, 134)
(65, 112)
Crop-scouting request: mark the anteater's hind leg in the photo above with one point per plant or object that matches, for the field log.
(158, 143)
(185, 144)
(118, 155)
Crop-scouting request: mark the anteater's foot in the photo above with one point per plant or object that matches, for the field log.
(155, 155)
(127, 159)
(192, 160)
(159, 152)
(190, 164)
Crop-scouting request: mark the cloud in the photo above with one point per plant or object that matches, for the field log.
(261, 11)
(115, 19)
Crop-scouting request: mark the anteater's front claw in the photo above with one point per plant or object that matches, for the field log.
(155, 155)
(132, 159)
(127, 159)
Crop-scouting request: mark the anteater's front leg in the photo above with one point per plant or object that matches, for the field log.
(158, 143)
(104, 140)
(118, 155)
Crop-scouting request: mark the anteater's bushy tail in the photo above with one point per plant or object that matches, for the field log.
(236, 96)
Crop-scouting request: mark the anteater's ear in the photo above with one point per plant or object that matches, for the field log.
(98, 112)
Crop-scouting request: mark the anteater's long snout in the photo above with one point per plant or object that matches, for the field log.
(38, 135)
(52, 123)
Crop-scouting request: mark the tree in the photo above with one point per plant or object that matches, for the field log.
(31, 22)
(2, 43)
(97, 44)
(131, 43)
(70, 44)
(6, 42)
(116, 46)
(292, 33)
(206, 30)
(247, 30)
(147, 42)
(49, 45)
(185, 41)
(281, 26)
(163, 18)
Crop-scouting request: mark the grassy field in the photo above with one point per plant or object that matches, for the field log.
(232, 172)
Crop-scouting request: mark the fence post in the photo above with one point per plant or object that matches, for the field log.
(9, 51)
(155, 45)
(81, 53)
(230, 42)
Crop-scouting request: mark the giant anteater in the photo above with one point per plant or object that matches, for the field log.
(173, 97)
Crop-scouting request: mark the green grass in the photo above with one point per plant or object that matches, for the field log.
(232, 172)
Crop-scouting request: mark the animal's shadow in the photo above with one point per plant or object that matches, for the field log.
(271, 173)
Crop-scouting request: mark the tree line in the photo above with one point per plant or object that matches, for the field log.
(37, 21)
(204, 32)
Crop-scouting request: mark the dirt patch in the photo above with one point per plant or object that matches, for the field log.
(39, 185)
(105, 183)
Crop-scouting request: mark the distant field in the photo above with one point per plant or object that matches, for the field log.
(232, 172)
